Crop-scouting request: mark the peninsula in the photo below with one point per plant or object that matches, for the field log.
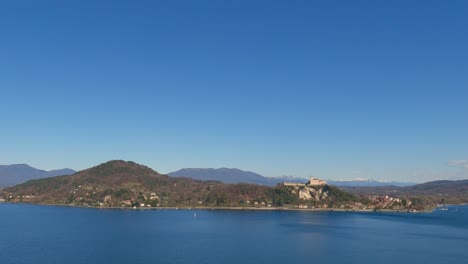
(122, 184)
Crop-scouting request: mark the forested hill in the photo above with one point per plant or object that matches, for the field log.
(120, 183)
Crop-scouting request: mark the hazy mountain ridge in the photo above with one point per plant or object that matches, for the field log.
(14, 174)
(232, 175)
(368, 182)
(227, 175)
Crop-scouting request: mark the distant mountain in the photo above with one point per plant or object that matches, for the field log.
(227, 175)
(368, 182)
(282, 179)
(11, 175)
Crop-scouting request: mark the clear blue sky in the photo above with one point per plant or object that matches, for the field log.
(335, 89)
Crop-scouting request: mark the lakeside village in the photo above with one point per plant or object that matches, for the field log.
(313, 191)
(315, 194)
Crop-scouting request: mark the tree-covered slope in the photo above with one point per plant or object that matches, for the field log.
(124, 184)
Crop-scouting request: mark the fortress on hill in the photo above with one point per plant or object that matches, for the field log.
(311, 182)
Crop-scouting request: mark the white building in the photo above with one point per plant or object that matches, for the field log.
(315, 182)
(311, 182)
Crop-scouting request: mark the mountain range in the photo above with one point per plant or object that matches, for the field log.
(368, 182)
(227, 175)
(11, 175)
(127, 184)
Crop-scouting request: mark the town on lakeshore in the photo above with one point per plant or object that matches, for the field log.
(121, 184)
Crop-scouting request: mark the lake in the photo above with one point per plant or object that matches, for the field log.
(49, 234)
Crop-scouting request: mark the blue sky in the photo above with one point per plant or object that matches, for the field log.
(334, 89)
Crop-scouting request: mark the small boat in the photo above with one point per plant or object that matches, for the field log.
(443, 208)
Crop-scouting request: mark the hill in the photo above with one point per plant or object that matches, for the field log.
(227, 175)
(11, 175)
(437, 191)
(117, 180)
(124, 184)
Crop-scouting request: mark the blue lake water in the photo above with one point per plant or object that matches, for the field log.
(48, 234)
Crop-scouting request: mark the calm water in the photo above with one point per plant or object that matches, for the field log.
(47, 234)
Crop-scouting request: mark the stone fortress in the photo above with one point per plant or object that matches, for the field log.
(311, 182)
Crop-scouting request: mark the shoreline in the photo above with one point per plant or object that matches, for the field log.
(237, 208)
